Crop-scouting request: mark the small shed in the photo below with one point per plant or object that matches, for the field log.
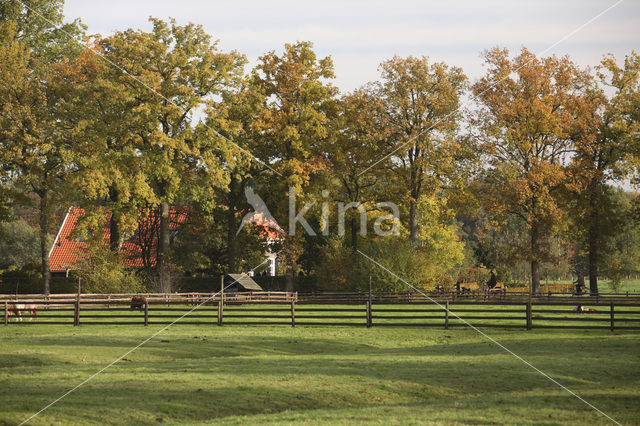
(240, 282)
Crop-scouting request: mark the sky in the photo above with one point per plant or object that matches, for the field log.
(359, 34)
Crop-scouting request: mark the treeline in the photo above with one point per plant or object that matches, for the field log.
(528, 172)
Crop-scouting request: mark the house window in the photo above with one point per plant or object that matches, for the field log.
(272, 268)
(129, 235)
(83, 238)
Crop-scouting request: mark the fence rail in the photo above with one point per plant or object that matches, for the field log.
(377, 310)
(168, 298)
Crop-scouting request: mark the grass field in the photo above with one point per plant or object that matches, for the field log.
(279, 374)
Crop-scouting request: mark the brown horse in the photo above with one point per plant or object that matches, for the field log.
(138, 302)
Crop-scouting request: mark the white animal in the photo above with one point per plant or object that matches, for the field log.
(18, 309)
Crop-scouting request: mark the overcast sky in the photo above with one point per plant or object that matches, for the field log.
(359, 34)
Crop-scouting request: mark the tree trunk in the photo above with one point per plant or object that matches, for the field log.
(44, 228)
(593, 267)
(535, 277)
(163, 246)
(593, 244)
(114, 222)
(114, 233)
(354, 236)
(535, 259)
(289, 279)
(580, 283)
(413, 222)
(231, 230)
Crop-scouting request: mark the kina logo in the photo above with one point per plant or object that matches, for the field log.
(261, 215)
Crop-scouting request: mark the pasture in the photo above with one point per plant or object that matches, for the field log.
(346, 375)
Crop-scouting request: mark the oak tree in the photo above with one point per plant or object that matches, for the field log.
(527, 108)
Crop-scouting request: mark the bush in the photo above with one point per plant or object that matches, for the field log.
(423, 267)
(19, 281)
(28, 280)
(103, 273)
(335, 270)
(19, 244)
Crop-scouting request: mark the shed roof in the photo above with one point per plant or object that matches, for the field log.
(245, 281)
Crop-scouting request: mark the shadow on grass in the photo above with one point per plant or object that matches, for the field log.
(143, 401)
(201, 375)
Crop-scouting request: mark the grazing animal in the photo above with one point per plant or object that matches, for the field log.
(496, 291)
(581, 309)
(138, 302)
(17, 309)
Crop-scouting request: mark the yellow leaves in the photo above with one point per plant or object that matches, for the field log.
(292, 121)
(530, 109)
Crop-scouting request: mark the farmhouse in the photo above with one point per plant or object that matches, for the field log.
(138, 248)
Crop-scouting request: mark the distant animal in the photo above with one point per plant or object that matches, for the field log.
(581, 309)
(493, 281)
(17, 309)
(496, 291)
(138, 302)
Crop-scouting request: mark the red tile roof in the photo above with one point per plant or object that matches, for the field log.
(68, 252)
(270, 228)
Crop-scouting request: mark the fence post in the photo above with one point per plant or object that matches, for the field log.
(368, 313)
(220, 311)
(146, 313)
(222, 287)
(293, 313)
(76, 313)
(612, 326)
(529, 319)
(6, 313)
(446, 315)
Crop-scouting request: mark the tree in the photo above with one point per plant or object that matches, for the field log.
(421, 104)
(106, 117)
(173, 71)
(527, 110)
(34, 146)
(234, 117)
(620, 242)
(356, 144)
(289, 134)
(39, 26)
(604, 142)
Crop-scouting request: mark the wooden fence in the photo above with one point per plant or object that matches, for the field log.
(168, 298)
(479, 296)
(376, 310)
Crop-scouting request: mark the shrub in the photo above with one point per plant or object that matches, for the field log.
(335, 271)
(102, 272)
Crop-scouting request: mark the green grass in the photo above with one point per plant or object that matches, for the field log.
(330, 375)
